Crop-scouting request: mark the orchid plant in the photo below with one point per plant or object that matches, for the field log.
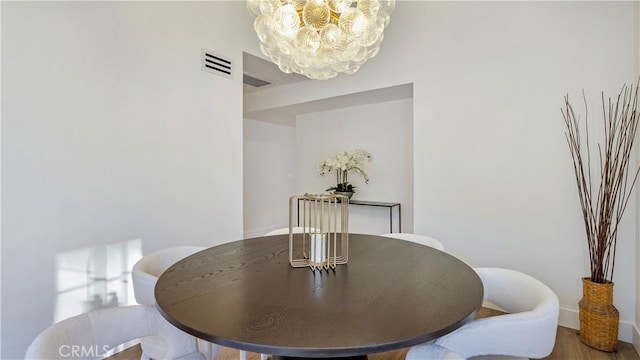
(343, 163)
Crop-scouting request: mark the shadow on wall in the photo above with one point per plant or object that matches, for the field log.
(95, 277)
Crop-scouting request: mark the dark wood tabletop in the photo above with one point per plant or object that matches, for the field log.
(391, 294)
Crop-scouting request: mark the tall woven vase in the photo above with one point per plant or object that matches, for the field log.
(598, 317)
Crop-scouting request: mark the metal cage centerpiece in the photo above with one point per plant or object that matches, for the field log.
(322, 239)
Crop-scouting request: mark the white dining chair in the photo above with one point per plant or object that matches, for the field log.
(418, 239)
(145, 274)
(147, 270)
(528, 330)
(285, 231)
(91, 335)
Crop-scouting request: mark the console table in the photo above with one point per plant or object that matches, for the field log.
(389, 205)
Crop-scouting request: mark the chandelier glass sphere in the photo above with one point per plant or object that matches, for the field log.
(320, 38)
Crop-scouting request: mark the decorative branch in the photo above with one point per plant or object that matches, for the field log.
(602, 211)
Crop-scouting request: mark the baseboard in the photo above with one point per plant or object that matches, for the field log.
(570, 318)
(627, 332)
(636, 339)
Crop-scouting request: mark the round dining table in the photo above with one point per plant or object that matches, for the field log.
(391, 294)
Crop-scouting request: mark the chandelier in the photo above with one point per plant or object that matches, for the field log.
(320, 38)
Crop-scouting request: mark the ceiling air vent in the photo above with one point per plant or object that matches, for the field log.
(254, 81)
(217, 64)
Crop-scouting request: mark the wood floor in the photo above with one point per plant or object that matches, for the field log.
(568, 347)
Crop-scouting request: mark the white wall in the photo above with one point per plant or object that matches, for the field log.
(111, 132)
(383, 129)
(269, 176)
(492, 172)
(0, 191)
(506, 185)
(636, 334)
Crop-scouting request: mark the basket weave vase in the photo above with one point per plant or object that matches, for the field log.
(598, 317)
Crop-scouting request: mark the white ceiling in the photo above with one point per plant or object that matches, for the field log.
(286, 115)
(264, 70)
(259, 68)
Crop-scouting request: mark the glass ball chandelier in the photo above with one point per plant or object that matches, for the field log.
(320, 38)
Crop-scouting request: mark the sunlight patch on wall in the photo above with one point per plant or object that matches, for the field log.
(95, 277)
